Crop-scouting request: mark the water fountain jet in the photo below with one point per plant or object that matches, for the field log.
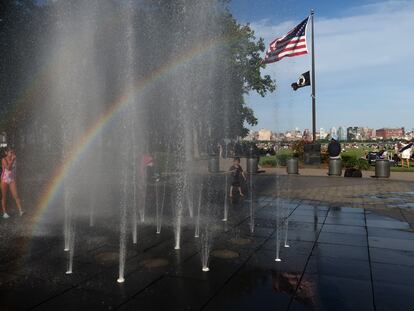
(200, 197)
(205, 249)
(251, 204)
(226, 207)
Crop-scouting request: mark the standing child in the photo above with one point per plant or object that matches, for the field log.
(8, 181)
(236, 175)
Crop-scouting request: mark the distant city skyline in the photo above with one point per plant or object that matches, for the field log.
(359, 79)
(351, 133)
(327, 128)
(330, 127)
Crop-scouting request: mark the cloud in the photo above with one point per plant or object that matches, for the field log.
(379, 35)
(364, 63)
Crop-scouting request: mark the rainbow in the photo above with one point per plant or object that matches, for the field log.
(55, 183)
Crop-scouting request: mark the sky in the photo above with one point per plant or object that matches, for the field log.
(364, 63)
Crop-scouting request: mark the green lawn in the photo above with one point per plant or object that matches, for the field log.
(357, 153)
(403, 169)
(398, 169)
(273, 161)
(268, 161)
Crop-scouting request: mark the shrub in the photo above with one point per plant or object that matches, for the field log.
(362, 164)
(274, 161)
(268, 161)
(282, 158)
(353, 162)
(298, 148)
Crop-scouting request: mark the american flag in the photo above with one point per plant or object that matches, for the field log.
(291, 44)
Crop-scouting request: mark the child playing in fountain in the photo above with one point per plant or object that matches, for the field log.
(236, 175)
(8, 181)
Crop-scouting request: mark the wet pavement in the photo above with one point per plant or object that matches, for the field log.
(341, 256)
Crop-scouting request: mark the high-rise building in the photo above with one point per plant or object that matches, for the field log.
(360, 133)
(353, 133)
(333, 131)
(341, 133)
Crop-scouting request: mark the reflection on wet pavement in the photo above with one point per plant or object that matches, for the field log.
(341, 257)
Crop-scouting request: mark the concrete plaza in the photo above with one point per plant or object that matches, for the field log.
(351, 248)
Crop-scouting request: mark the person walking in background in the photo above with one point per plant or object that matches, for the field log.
(406, 153)
(8, 181)
(236, 176)
(334, 148)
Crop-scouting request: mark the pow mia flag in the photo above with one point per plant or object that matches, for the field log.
(303, 80)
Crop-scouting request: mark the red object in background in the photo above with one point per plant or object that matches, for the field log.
(146, 160)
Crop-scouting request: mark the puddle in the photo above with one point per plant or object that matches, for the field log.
(154, 263)
(240, 241)
(107, 258)
(224, 254)
(394, 199)
(406, 205)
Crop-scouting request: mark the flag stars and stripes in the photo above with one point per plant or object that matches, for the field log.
(291, 44)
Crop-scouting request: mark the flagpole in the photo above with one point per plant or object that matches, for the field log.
(313, 81)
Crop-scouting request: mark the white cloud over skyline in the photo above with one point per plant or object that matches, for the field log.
(364, 68)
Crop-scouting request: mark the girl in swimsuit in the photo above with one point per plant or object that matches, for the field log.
(8, 181)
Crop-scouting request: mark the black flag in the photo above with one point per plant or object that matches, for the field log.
(303, 80)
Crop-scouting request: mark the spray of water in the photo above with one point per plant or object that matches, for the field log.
(123, 230)
(190, 193)
(69, 269)
(205, 249)
(286, 218)
(67, 220)
(163, 179)
(226, 203)
(165, 96)
(251, 204)
(278, 224)
(178, 210)
(200, 197)
(134, 195)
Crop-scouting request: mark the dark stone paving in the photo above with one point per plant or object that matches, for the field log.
(340, 258)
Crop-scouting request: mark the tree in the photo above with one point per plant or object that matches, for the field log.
(247, 63)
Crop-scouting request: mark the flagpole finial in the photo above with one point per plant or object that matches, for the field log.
(312, 11)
